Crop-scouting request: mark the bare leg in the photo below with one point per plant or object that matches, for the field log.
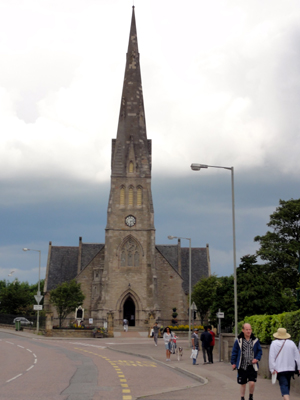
(243, 390)
(251, 387)
(286, 397)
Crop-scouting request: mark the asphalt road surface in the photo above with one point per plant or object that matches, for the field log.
(77, 369)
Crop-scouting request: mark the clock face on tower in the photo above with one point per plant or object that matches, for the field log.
(130, 220)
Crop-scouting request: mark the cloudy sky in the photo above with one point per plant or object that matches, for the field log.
(221, 82)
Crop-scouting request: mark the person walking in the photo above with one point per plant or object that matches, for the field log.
(195, 344)
(155, 333)
(246, 353)
(167, 336)
(282, 358)
(212, 343)
(125, 324)
(206, 339)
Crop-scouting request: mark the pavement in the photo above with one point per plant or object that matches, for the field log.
(215, 381)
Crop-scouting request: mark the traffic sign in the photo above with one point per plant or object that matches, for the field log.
(38, 298)
(37, 307)
(220, 315)
(194, 307)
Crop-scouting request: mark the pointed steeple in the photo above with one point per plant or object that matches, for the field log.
(132, 123)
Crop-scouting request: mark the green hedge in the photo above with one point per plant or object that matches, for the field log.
(263, 326)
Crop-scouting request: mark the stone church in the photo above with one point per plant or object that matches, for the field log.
(129, 275)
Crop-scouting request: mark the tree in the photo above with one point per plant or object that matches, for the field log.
(203, 295)
(259, 291)
(223, 299)
(281, 246)
(16, 298)
(66, 298)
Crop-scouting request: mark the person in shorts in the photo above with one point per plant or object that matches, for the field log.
(246, 353)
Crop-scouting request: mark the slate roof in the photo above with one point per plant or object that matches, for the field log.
(64, 262)
(199, 265)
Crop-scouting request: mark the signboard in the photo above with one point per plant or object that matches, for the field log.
(91, 321)
(105, 324)
(194, 307)
(38, 298)
(37, 307)
(220, 315)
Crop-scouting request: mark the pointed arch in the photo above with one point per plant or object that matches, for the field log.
(129, 293)
(139, 196)
(131, 167)
(122, 195)
(130, 196)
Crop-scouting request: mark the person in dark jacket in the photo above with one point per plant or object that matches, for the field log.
(206, 338)
(246, 353)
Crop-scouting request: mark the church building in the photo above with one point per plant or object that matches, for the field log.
(129, 275)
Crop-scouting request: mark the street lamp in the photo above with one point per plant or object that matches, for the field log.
(197, 167)
(38, 297)
(190, 280)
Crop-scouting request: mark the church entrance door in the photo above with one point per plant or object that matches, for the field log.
(129, 311)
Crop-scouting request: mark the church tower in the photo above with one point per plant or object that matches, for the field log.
(128, 281)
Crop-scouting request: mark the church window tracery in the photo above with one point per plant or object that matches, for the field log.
(130, 255)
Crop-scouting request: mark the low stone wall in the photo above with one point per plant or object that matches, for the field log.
(72, 333)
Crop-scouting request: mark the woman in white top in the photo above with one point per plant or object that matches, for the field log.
(167, 336)
(282, 357)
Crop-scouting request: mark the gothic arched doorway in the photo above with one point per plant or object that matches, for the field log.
(129, 311)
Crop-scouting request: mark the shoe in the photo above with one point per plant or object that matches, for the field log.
(155, 344)
(196, 364)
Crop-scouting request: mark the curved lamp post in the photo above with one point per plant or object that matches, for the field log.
(38, 297)
(190, 280)
(198, 167)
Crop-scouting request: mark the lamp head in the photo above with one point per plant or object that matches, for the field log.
(197, 167)
(25, 249)
(172, 237)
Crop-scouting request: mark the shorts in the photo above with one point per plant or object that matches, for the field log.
(246, 375)
(167, 346)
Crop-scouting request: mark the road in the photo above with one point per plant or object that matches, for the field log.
(73, 369)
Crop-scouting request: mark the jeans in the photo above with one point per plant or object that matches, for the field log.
(206, 350)
(195, 359)
(284, 379)
(155, 335)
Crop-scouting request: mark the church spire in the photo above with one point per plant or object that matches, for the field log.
(132, 123)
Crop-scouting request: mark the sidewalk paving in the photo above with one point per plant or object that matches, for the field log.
(216, 381)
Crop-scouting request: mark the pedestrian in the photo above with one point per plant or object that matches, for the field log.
(167, 336)
(125, 324)
(155, 333)
(212, 343)
(245, 355)
(206, 339)
(195, 345)
(282, 358)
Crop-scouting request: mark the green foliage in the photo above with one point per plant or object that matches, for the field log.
(281, 246)
(263, 326)
(203, 295)
(17, 298)
(66, 298)
(223, 299)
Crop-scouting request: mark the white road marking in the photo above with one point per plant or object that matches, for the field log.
(22, 347)
(9, 342)
(15, 377)
(30, 368)
(30, 351)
